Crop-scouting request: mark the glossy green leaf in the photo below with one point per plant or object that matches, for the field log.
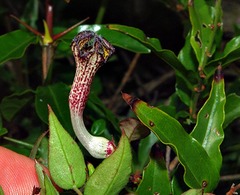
(138, 35)
(144, 149)
(208, 130)
(98, 127)
(113, 173)
(14, 44)
(55, 95)
(206, 29)
(187, 56)
(195, 192)
(230, 54)
(66, 162)
(196, 162)
(155, 179)
(117, 38)
(232, 109)
(12, 104)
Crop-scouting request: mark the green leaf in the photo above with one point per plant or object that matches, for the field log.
(144, 148)
(14, 44)
(2, 129)
(155, 179)
(232, 109)
(113, 173)
(137, 34)
(187, 56)
(39, 171)
(117, 38)
(50, 189)
(46, 186)
(56, 96)
(195, 192)
(196, 162)
(208, 130)
(12, 104)
(206, 29)
(1, 191)
(230, 54)
(66, 162)
(98, 127)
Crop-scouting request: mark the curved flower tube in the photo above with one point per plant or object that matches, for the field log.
(90, 52)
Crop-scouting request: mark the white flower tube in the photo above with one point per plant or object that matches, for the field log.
(90, 52)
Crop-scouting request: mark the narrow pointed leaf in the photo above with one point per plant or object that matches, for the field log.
(66, 162)
(196, 162)
(113, 173)
(14, 44)
(208, 130)
(155, 179)
(39, 171)
(50, 189)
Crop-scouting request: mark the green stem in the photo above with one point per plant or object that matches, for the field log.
(77, 191)
(101, 12)
(193, 105)
(19, 142)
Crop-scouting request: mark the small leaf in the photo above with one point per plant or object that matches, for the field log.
(50, 189)
(66, 162)
(98, 127)
(113, 173)
(196, 162)
(46, 186)
(14, 44)
(40, 175)
(12, 104)
(155, 179)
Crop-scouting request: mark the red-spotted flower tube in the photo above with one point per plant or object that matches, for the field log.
(90, 52)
